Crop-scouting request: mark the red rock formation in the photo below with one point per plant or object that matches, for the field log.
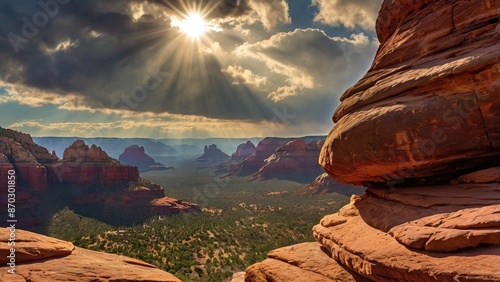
(40, 153)
(30, 173)
(295, 160)
(324, 184)
(88, 177)
(243, 151)
(40, 258)
(79, 152)
(431, 97)
(93, 167)
(5, 167)
(212, 153)
(136, 156)
(264, 150)
(426, 112)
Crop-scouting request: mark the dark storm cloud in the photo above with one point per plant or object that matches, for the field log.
(98, 50)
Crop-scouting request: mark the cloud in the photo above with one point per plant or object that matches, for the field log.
(349, 13)
(308, 59)
(241, 75)
(121, 55)
(124, 61)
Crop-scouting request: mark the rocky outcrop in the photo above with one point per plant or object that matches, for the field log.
(40, 258)
(302, 262)
(243, 151)
(79, 152)
(421, 131)
(264, 150)
(212, 153)
(92, 165)
(414, 227)
(431, 97)
(30, 174)
(136, 156)
(87, 180)
(324, 184)
(295, 160)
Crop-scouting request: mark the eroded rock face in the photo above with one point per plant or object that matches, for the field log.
(31, 175)
(93, 167)
(413, 228)
(87, 180)
(80, 152)
(264, 150)
(136, 156)
(431, 97)
(40, 258)
(212, 153)
(295, 160)
(243, 151)
(324, 184)
(427, 112)
(302, 262)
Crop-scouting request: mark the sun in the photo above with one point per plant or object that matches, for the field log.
(193, 25)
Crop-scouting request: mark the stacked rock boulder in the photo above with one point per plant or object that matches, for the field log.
(421, 131)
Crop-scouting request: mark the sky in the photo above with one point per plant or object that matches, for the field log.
(180, 69)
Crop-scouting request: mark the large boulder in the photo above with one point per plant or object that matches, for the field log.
(40, 258)
(324, 184)
(420, 130)
(429, 107)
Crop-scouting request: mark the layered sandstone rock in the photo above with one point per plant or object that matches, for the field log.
(431, 97)
(212, 153)
(92, 165)
(40, 258)
(243, 151)
(426, 113)
(31, 175)
(136, 156)
(87, 179)
(401, 235)
(295, 160)
(324, 184)
(264, 150)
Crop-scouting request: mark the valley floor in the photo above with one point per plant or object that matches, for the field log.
(241, 221)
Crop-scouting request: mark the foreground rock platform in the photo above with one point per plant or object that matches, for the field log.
(442, 233)
(40, 259)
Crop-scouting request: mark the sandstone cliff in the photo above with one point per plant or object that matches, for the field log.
(136, 156)
(243, 151)
(421, 131)
(295, 160)
(212, 153)
(324, 184)
(86, 179)
(40, 259)
(264, 150)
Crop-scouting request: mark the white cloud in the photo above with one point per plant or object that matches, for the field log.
(349, 13)
(306, 60)
(241, 75)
